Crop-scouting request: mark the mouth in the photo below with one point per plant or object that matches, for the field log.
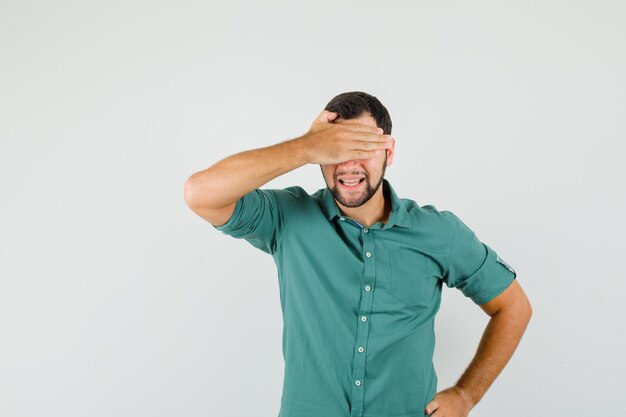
(351, 184)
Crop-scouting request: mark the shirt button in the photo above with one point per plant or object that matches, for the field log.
(368, 254)
(363, 318)
(365, 230)
(341, 218)
(367, 288)
(361, 349)
(357, 383)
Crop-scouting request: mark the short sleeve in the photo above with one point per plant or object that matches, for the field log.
(473, 267)
(258, 218)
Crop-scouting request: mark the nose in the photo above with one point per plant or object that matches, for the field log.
(350, 163)
(352, 167)
(349, 167)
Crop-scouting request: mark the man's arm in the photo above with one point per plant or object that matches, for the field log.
(213, 192)
(510, 313)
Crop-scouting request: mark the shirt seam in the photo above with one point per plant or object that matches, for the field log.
(281, 218)
(449, 257)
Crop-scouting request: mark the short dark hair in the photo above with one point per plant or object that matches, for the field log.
(353, 104)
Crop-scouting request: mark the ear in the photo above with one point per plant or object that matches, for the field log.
(390, 152)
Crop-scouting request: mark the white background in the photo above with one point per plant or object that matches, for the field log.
(117, 300)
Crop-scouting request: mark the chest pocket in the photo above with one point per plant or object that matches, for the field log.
(414, 278)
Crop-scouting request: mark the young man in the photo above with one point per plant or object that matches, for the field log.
(361, 271)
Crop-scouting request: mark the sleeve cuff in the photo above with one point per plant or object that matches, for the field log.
(490, 280)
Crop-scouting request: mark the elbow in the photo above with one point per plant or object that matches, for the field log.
(525, 312)
(200, 192)
(523, 306)
(191, 192)
(528, 308)
(519, 309)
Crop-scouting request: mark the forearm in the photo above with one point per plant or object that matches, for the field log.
(227, 180)
(500, 339)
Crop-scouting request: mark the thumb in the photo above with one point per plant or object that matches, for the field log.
(327, 116)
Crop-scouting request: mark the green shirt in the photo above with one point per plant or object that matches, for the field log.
(359, 303)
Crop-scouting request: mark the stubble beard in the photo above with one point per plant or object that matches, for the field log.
(348, 200)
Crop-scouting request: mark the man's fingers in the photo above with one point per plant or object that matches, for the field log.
(326, 116)
(366, 154)
(367, 140)
(367, 128)
(431, 407)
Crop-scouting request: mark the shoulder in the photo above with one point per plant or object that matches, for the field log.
(428, 214)
(294, 192)
(289, 198)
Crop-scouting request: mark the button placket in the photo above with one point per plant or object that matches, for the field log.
(365, 309)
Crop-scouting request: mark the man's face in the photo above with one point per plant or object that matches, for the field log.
(372, 169)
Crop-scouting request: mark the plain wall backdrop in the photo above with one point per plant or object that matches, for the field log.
(117, 300)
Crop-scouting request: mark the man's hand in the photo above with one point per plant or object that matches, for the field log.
(332, 143)
(451, 402)
(213, 192)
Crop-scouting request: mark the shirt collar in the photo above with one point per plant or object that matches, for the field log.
(397, 217)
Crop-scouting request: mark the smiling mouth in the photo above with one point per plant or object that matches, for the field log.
(351, 185)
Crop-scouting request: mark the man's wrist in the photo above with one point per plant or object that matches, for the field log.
(467, 395)
(299, 147)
